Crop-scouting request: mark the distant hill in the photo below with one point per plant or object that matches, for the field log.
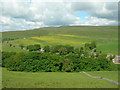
(76, 30)
(106, 37)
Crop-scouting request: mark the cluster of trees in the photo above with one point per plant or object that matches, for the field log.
(59, 58)
(59, 49)
(88, 50)
(7, 39)
(35, 47)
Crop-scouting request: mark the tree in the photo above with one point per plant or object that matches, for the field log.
(54, 49)
(13, 62)
(62, 51)
(92, 45)
(10, 45)
(30, 47)
(67, 65)
(111, 57)
(6, 55)
(35, 47)
(76, 50)
(46, 48)
(69, 48)
(87, 46)
(21, 46)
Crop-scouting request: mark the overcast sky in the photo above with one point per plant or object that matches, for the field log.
(30, 14)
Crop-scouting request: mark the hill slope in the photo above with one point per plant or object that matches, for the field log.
(105, 36)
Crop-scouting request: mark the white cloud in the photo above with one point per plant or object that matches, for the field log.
(94, 21)
(107, 10)
(28, 15)
(5, 20)
(100, 21)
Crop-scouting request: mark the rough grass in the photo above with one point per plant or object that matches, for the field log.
(12, 79)
(105, 36)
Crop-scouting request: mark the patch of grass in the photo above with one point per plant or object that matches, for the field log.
(13, 79)
(24, 42)
(109, 48)
(6, 47)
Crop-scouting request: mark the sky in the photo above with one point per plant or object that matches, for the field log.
(30, 14)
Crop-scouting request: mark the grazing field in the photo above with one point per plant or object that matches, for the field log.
(13, 79)
(106, 37)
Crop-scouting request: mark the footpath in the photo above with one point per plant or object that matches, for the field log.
(117, 83)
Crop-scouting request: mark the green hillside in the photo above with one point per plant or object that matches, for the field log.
(105, 36)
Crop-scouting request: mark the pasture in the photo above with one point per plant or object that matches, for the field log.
(12, 79)
(106, 37)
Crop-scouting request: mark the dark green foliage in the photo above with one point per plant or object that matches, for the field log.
(7, 39)
(35, 47)
(54, 49)
(63, 51)
(93, 45)
(111, 57)
(67, 65)
(21, 46)
(46, 48)
(10, 44)
(90, 46)
(33, 62)
(6, 55)
(13, 63)
(58, 58)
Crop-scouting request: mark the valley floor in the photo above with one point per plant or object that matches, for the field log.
(12, 79)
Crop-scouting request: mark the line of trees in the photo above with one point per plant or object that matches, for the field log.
(59, 58)
(7, 39)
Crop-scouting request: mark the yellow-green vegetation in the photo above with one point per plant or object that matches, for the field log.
(60, 40)
(24, 42)
(13, 79)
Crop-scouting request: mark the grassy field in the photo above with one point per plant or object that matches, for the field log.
(106, 74)
(13, 79)
(107, 42)
(105, 36)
